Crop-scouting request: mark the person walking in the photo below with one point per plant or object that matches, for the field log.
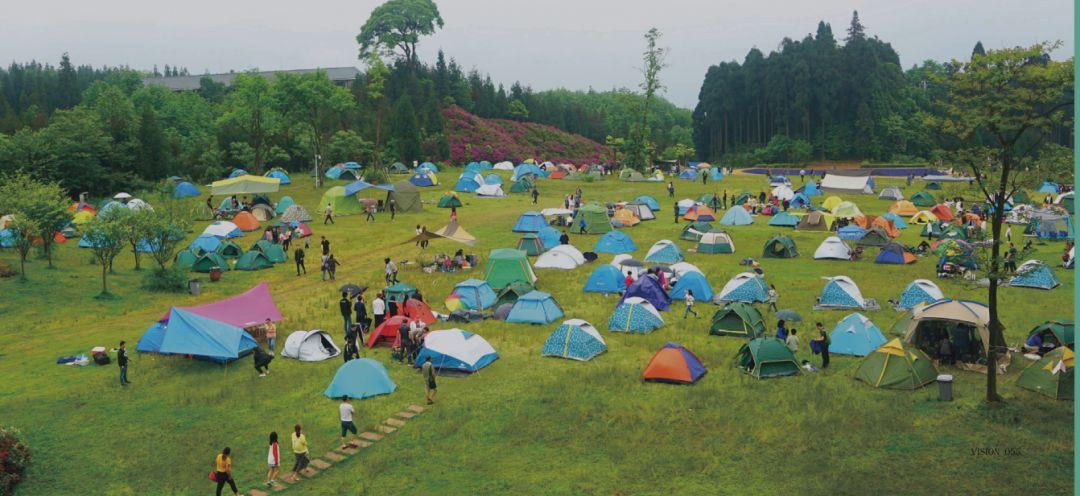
(393, 208)
(535, 194)
(823, 344)
(329, 214)
(427, 371)
(345, 413)
(391, 271)
(300, 452)
(378, 310)
(285, 239)
(453, 214)
(369, 212)
(273, 461)
(325, 243)
(675, 210)
(298, 256)
(345, 305)
(772, 297)
(792, 341)
(122, 361)
(332, 264)
(223, 471)
(271, 335)
(322, 265)
(705, 177)
(670, 189)
(1008, 233)
(689, 298)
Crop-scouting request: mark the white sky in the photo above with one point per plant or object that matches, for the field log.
(544, 43)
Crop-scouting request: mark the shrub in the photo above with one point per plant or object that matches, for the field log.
(14, 459)
(376, 175)
(6, 270)
(171, 280)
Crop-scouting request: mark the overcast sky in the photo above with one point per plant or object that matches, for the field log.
(546, 43)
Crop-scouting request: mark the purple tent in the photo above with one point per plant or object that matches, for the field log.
(648, 288)
(251, 307)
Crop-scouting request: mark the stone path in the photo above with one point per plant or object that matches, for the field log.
(341, 455)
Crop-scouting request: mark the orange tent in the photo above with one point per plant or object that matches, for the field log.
(700, 212)
(861, 221)
(886, 225)
(970, 217)
(904, 208)
(559, 174)
(59, 238)
(674, 363)
(626, 217)
(245, 221)
(942, 212)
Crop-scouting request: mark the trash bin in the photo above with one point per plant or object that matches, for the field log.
(215, 274)
(944, 382)
(194, 288)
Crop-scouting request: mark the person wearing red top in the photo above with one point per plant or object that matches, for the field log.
(273, 460)
(629, 279)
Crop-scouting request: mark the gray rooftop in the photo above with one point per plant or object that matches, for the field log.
(191, 83)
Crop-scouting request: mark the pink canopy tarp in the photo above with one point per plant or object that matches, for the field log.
(251, 307)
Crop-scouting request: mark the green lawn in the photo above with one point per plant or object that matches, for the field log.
(525, 424)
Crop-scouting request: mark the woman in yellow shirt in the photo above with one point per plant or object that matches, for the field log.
(300, 451)
(223, 471)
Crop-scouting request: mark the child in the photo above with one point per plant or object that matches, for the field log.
(689, 304)
(273, 460)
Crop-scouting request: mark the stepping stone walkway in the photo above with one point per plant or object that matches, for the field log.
(340, 455)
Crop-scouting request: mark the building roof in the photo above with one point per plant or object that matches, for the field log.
(191, 83)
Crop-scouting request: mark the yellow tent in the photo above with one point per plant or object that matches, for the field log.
(831, 202)
(626, 217)
(82, 217)
(923, 217)
(903, 208)
(245, 185)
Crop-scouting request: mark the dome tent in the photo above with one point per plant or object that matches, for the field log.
(1035, 274)
(296, 213)
(851, 232)
(745, 287)
(550, 237)
(310, 346)
(406, 197)
(253, 260)
(510, 294)
(186, 190)
(615, 242)
(228, 249)
(894, 365)
(779, 247)
(699, 212)
(427, 167)
(918, 292)
(715, 242)
(575, 339)
(360, 378)
(664, 252)
(490, 191)
(606, 279)
(694, 230)
(891, 193)
(273, 251)
(283, 204)
(279, 174)
(841, 292)
(493, 178)
(736, 216)
(855, 335)
(1052, 375)
(564, 257)
(468, 182)
(675, 364)
(650, 201)
(530, 244)
(895, 253)
(1059, 332)
(784, 219)
(530, 222)
(766, 357)
(625, 217)
(833, 248)
(921, 199)
(903, 208)
(475, 294)
(535, 307)
(648, 287)
(595, 219)
(815, 221)
(692, 282)
(449, 200)
(737, 319)
(635, 315)
(424, 179)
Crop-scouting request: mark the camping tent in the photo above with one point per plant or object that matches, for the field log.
(424, 179)
(699, 212)
(615, 242)
(650, 201)
(202, 244)
(942, 212)
(223, 229)
(847, 184)
(606, 279)
(595, 217)
(685, 204)
(625, 217)
(228, 249)
(1048, 187)
(449, 200)
(648, 287)
(693, 282)
(186, 190)
(846, 210)
(903, 208)
(918, 292)
(535, 307)
(386, 333)
(811, 189)
(208, 261)
(921, 199)
(1058, 332)
(406, 197)
(784, 219)
(360, 378)
(399, 291)
(279, 174)
(296, 213)
(428, 167)
(468, 182)
(923, 217)
(575, 339)
(635, 315)
(715, 242)
(310, 346)
(896, 366)
(875, 236)
(398, 168)
(736, 216)
(341, 172)
(737, 319)
(549, 236)
(766, 357)
(964, 322)
(253, 260)
(244, 185)
(897, 221)
(185, 258)
(664, 252)
(262, 213)
(530, 222)
(800, 200)
(675, 364)
(187, 333)
(563, 257)
(815, 221)
(833, 248)
(246, 222)
(530, 244)
(1052, 375)
(1035, 274)
(886, 225)
(841, 292)
(690, 174)
(855, 335)
(475, 294)
(694, 230)
(783, 192)
(640, 210)
(895, 253)
(493, 178)
(779, 247)
(891, 193)
(504, 165)
(273, 251)
(490, 191)
(283, 204)
(746, 287)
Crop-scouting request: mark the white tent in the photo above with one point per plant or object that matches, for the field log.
(310, 346)
(833, 248)
(783, 192)
(221, 229)
(490, 191)
(137, 204)
(618, 260)
(684, 267)
(506, 166)
(1058, 200)
(685, 203)
(457, 349)
(121, 196)
(548, 212)
(572, 252)
(891, 193)
(553, 259)
(846, 184)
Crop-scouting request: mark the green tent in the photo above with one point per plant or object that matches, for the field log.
(700, 226)
(932, 185)
(449, 200)
(1058, 332)
(253, 260)
(209, 261)
(896, 366)
(272, 251)
(1021, 197)
(741, 199)
(931, 230)
(400, 291)
(520, 186)
(596, 219)
(875, 236)
(283, 204)
(341, 203)
(512, 292)
(228, 249)
(530, 244)
(1052, 375)
(715, 242)
(954, 232)
(738, 319)
(507, 265)
(707, 199)
(780, 247)
(201, 212)
(766, 357)
(398, 168)
(923, 199)
(406, 197)
(631, 175)
(185, 258)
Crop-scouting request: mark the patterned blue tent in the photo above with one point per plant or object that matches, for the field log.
(919, 291)
(648, 200)
(737, 216)
(615, 242)
(745, 287)
(692, 281)
(575, 339)
(422, 179)
(535, 307)
(280, 175)
(237, 173)
(635, 315)
(851, 233)
(475, 293)
(530, 222)
(648, 287)
(605, 278)
(528, 169)
(841, 292)
(1035, 274)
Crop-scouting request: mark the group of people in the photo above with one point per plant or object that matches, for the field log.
(230, 206)
(819, 344)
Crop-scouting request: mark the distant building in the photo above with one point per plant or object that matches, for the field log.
(341, 76)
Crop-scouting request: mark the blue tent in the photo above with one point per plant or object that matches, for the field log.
(648, 200)
(280, 175)
(851, 232)
(475, 294)
(455, 349)
(8, 237)
(892, 253)
(468, 182)
(530, 222)
(485, 164)
(855, 335)
(422, 179)
(1035, 274)
(185, 190)
(237, 173)
(360, 378)
(427, 166)
(800, 200)
(784, 219)
(351, 165)
(605, 278)
(841, 292)
(525, 169)
(203, 244)
(692, 281)
(535, 307)
(690, 174)
(473, 168)
(615, 242)
(918, 292)
(150, 342)
(84, 242)
(635, 315)
(574, 339)
(1049, 187)
(897, 221)
(715, 174)
(737, 216)
(811, 189)
(745, 287)
(360, 185)
(284, 203)
(549, 236)
(664, 252)
(187, 333)
(339, 172)
(648, 288)
(493, 178)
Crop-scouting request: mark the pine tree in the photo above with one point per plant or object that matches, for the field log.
(855, 32)
(67, 91)
(978, 50)
(406, 131)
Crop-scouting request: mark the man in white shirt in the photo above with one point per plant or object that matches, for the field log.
(378, 309)
(345, 412)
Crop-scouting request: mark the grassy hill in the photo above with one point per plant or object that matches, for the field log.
(473, 138)
(525, 424)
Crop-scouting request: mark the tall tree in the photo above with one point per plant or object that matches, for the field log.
(397, 25)
(315, 103)
(67, 86)
(376, 92)
(653, 59)
(250, 109)
(406, 131)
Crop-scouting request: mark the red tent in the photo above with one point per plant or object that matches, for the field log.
(387, 332)
(415, 309)
(942, 212)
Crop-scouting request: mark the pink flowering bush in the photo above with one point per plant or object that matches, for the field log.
(473, 138)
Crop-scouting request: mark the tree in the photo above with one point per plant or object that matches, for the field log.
(346, 146)
(517, 110)
(39, 209)
(165, 230)
(653, 58)
(105, 233)
(999, 109)
(978, 50)
(67, 85)
(376, 92)
(679, 152)
(315, 103)
(398, 25)
(136, 226)
(406, 131)
(250, 109)
(614, 146)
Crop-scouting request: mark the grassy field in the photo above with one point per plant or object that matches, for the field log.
(525, 424)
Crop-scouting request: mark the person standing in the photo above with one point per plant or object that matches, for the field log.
(823, 344)
(332, 265)
(378, 310)
(772, 297)
(453, 214)
(271, 335)
(322, 265)
(781, 331)
(391, 271)
(345, 413)
(369, 212)
(725, 199)
(705, 177)
(360, 311)
(1008, 233)
(792, 341)
(629, 279)
(329, 214)
(223, 471)
(285, 239)
(403, 338)
(564, 239)
(325, 243)
(675, 210)
(689, 297)
(393, 208)
(122, 361)
(802, 175)
(535, 194)
(427, 371)
(346, 310)
(300, 452)
(298, 256)
(273, 460)
(670, 189)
